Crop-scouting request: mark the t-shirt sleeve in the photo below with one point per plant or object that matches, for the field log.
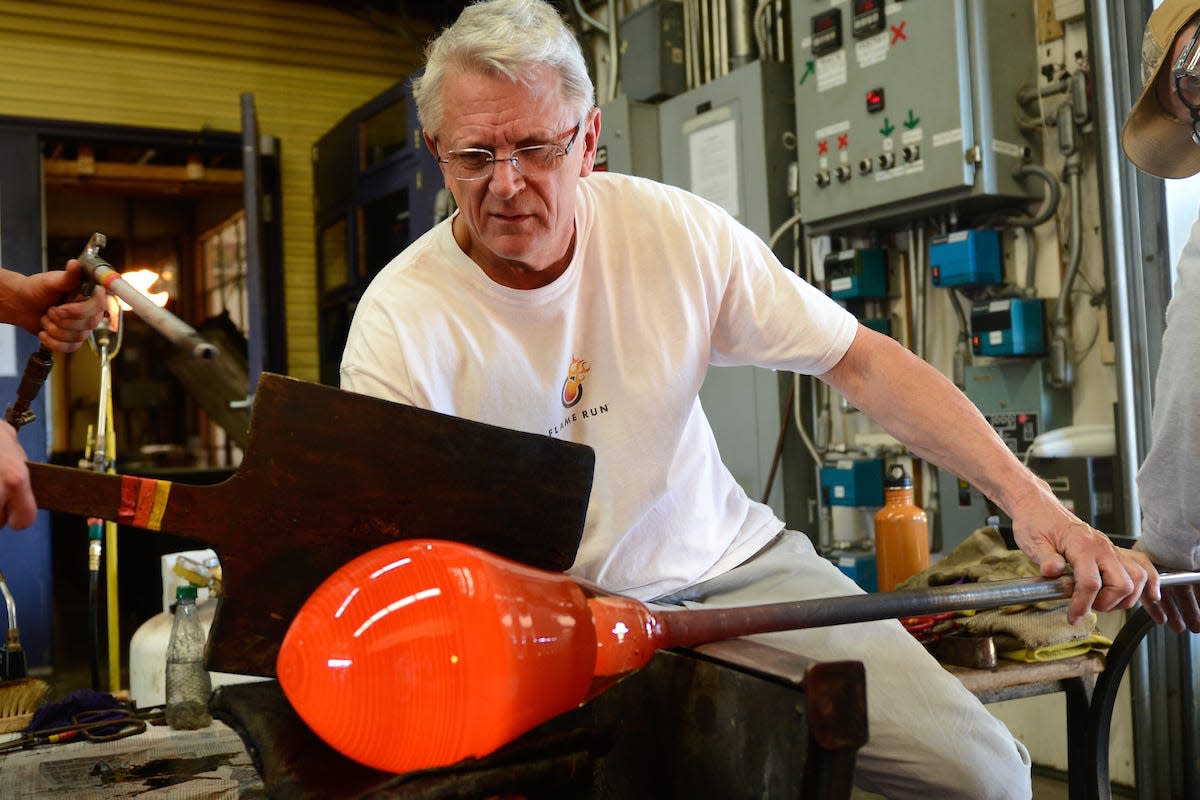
(773, 318)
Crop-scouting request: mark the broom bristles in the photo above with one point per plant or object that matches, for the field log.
(18, 700)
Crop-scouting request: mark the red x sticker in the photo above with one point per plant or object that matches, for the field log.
(843, 141)
(823, 147)
(898, 33)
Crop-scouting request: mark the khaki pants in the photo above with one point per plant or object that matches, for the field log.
(929, 737)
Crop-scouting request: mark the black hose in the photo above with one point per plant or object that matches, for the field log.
(94, 626)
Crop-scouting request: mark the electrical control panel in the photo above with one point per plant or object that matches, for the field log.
(966, 258)
(857, 274)
(652, 47)
(1017, 399)
(1012, 326)
(728, 141)
(905, 107)
(629, 141)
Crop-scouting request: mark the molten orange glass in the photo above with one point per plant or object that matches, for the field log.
(425, 652)
(422, 653)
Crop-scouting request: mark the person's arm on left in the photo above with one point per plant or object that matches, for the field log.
(18, 509)
(935, 420)
(35, 303)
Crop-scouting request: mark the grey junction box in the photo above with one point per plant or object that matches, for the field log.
(651, 57)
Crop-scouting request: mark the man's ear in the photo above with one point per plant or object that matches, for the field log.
(591, 141)
(431, 144)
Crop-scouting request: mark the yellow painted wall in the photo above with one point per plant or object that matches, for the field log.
(183, 64)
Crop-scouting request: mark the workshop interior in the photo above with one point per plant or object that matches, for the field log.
(948, 170)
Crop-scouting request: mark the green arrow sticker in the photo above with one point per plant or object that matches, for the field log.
(912, 121)
(887, 128)
(809, 69)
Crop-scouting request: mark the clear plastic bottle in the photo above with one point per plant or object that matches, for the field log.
(901, 532)
(188, 683)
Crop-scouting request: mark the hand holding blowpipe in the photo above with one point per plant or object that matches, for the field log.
(38, 367)
(41, 361)
(170, 326)
(422, 653)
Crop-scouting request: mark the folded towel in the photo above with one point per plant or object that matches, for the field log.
(1033, 631)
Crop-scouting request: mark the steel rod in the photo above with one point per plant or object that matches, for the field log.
(696, 626)
(170, 326)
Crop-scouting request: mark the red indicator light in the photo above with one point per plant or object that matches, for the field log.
(874, 100)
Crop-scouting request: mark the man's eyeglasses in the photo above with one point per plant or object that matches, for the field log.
(1186, 74)
(475, 163)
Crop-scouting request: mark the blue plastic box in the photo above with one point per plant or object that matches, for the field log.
(853, 481)
(966, 258)
(1010, 327)
(857, 565)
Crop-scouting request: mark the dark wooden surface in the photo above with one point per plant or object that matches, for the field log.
(328, 475)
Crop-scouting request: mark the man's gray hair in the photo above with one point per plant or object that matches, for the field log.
(508, 38)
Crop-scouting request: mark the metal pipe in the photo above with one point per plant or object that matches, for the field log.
(699, 625)
(1133, 240)
(721, 38)
(163, 321)
(689, 57)
(588, 19)
(741, 33)
(706, 40)
(920, 253)
(614, 51)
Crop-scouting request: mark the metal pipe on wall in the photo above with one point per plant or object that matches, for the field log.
(1133, 238)
(722, 38)
(741, 34)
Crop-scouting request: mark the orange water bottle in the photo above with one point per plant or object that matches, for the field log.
(901, 532)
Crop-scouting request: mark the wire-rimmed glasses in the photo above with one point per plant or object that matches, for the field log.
(476, 163)
(1186, 75)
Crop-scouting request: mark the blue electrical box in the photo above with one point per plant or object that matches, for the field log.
(853, 481)
(858, 565)
(857, 274)
(1013, 326)
(966, 258)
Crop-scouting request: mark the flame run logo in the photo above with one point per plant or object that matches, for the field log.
(572, 389)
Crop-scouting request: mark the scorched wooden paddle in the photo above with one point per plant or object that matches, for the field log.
(328, 475)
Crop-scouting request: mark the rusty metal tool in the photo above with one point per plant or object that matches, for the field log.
(966, 650)
(170, 326)
(328, 475)
(38, 367)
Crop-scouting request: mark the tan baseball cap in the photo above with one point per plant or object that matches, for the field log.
(1155, 140)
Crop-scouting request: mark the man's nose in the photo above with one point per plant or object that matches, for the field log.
(507, 179)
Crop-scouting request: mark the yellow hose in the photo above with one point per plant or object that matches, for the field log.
(110, 563)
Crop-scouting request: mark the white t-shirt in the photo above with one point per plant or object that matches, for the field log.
(612, 354)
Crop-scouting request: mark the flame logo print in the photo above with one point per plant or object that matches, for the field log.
(572, 389)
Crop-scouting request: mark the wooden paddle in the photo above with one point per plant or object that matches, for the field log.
(328, 475)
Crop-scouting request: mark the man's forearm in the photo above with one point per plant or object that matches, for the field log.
(930, 416)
